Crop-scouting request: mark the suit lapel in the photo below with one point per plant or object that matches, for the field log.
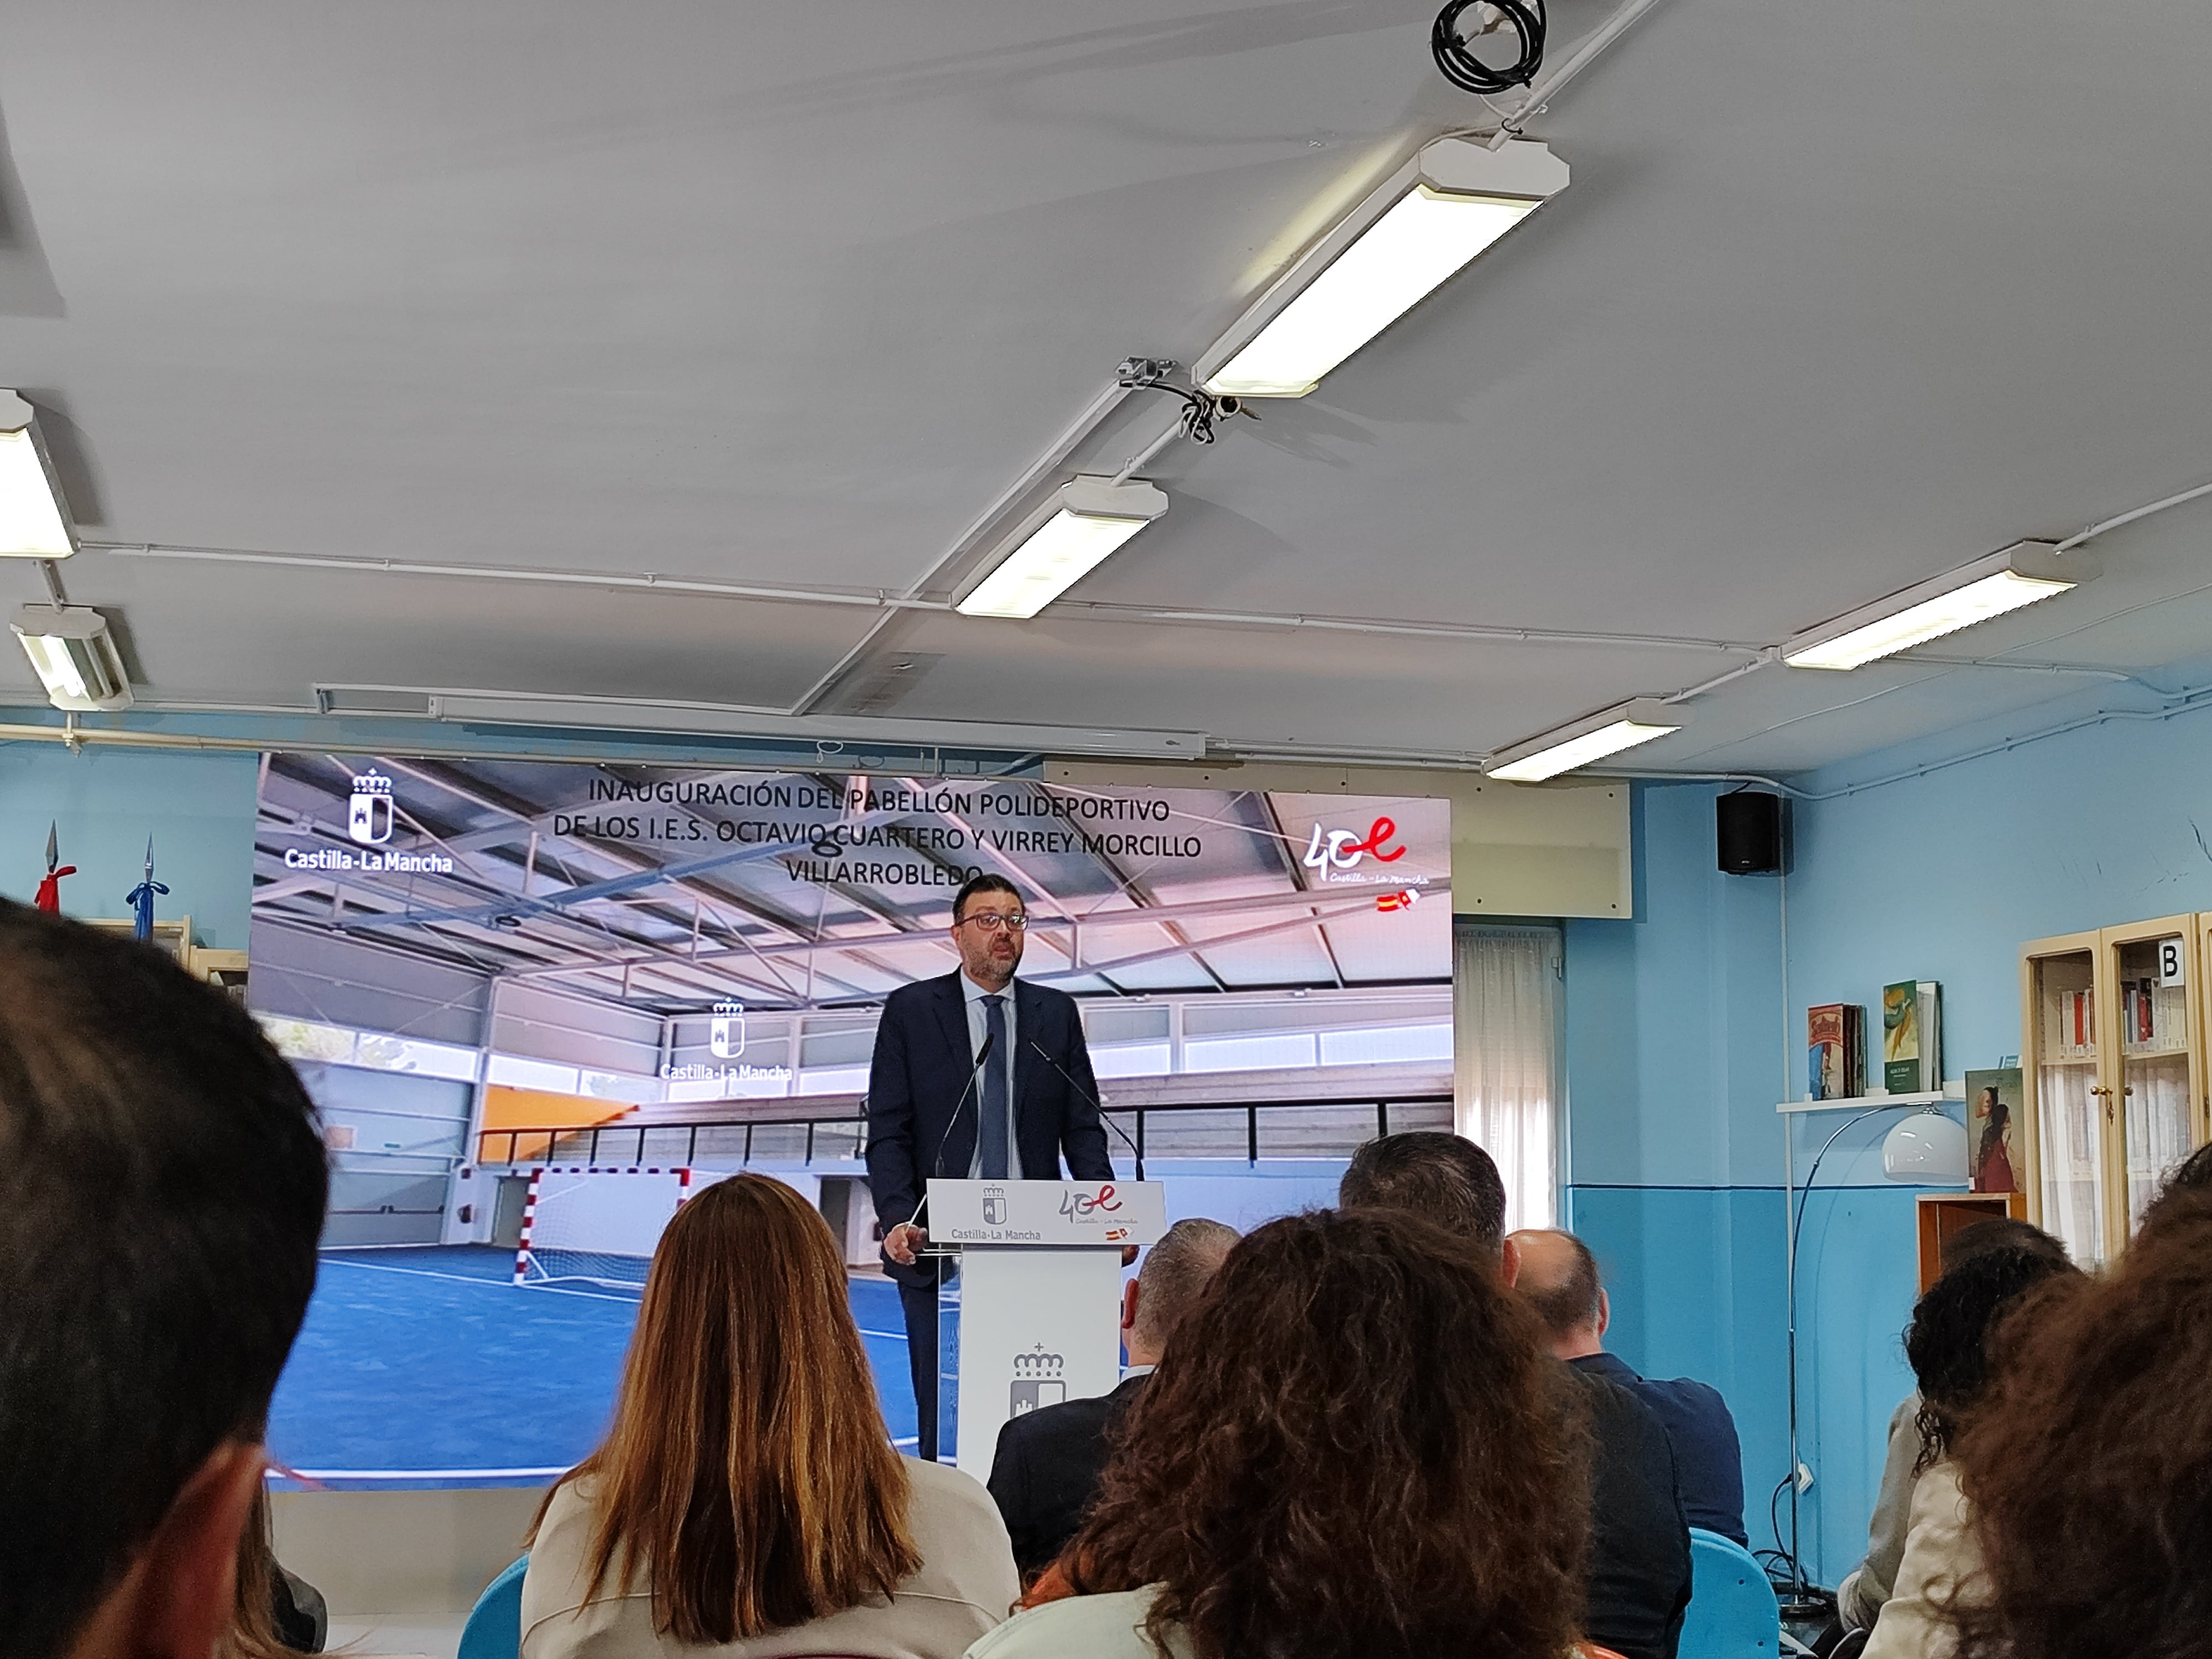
(1028, 1012)
(952, 1016)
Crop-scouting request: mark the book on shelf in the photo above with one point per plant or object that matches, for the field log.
(1835, 1049)
(2152, 1017)
(2077, 1025)
(1993, 1106)
(1913, 1038)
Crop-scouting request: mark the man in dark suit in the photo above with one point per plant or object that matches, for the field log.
(975, 1075)
(1639, 1558)
(1045, 1471)
(1559, 1276)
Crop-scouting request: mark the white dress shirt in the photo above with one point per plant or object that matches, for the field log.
(978, 1015)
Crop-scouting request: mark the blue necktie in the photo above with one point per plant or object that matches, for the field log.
(991, 1133)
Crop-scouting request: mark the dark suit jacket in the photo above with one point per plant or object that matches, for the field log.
(918, 1076)
(1045, 1471)
(1639, 1576)
(1708, 1457)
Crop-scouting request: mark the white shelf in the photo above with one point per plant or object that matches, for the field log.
(1952, 1089)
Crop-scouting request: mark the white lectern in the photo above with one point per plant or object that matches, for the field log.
(1032, 1317)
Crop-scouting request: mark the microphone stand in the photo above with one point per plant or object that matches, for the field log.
(1135, 1151)
(937, 1162)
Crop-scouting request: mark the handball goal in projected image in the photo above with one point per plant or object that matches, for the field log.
(583, 1225)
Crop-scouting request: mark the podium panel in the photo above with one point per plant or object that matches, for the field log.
(1046, 1214)
(1035, 1328)
(1033, 1312)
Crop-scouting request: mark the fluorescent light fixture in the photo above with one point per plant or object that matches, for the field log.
(74, 656)
(1086, 521)
(34, 521)
(2019, 574)
(1428, 221)
(1580, 741)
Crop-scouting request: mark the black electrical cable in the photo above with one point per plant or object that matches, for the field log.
(1464, 70)
(1200, 409)
(1781, 1551)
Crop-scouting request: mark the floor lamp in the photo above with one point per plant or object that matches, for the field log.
(1913, 1152)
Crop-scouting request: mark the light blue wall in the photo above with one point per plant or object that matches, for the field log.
(1678, 1024)
(104, 802)
(1944, 876)
(1681, 1037)
(1674, 1020)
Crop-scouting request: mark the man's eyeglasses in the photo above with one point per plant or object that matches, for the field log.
(990, 921)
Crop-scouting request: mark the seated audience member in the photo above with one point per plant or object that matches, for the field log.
(2090, 1465)
(1354, 1448)
(747, 1496)
(277, 1614)
(161, 1189)
(1046, 1471)
(2193, 1174)
(1867, 1586)
(1953, 1344)
(1560, 1277)
(1639, 1558)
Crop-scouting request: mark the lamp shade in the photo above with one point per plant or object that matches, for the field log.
(1927, 1147)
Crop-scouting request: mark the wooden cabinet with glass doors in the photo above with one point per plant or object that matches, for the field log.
(2113, 1057)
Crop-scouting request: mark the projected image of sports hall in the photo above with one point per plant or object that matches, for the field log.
(531, 1045)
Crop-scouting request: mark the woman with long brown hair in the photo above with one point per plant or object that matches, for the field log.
(277, 1616)
(747, 1499)
(1356, 1447)
(2089, 1466)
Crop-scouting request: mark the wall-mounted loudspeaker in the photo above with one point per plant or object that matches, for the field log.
(1749, 826)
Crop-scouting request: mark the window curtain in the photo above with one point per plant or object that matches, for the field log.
(1505, 1018)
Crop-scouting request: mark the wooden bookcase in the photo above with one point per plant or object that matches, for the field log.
(2112, 1050)
(1942, 1215)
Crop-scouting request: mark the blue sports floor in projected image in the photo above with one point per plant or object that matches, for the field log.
(427, 1367)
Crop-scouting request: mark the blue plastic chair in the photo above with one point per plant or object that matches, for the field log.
(1733, 1613)
(495, 1627)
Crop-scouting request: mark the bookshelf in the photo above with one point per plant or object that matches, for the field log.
(2113, 1025)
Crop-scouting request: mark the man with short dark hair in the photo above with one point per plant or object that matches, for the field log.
(1639, 1562)
(1560, 1277)
(161, 1190)
(1444, 1178)
(1045, 1471)
(976, 1075)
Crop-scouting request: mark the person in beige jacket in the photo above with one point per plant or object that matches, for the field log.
(1859, 1598)
(747, 1503)
(1949, 1344)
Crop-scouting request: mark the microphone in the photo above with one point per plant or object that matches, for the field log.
(1135, 1151)
(937, 1162)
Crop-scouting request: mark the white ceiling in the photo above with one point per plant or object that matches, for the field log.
(1840, 297)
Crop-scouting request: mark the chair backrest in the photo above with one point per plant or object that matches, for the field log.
(1733, 1613)
(495, 1627)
